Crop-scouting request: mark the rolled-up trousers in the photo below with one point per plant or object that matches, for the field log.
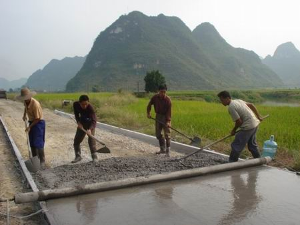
(158, 131)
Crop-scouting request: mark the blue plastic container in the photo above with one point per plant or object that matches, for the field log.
(270, 148)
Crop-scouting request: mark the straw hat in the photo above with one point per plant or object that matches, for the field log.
(25, 94)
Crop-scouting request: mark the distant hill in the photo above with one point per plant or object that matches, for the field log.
(236, 67)
(286, 63)
(136, 43)
(55, 75)
(6, 84)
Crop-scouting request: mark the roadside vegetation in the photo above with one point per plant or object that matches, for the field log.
(199, 114)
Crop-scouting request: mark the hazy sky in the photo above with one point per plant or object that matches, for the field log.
(32, 32)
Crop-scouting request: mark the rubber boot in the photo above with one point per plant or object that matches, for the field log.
(94, 157)
(77, 154)
(93, 153)
(162, 150)
(168, 143)
(92, 145)
(168, 152)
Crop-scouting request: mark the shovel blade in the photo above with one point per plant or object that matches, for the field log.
(196, 142)
(33, 164)
(103, 150)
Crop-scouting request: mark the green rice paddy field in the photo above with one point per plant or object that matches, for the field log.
(199, 114)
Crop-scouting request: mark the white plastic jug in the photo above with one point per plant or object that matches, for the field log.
(269, 148)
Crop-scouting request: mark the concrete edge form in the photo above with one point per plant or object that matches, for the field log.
(27, 174)
(17, 153)
(130, 182)
(177, 146)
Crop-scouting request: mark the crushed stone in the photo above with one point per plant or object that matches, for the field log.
(120, 168)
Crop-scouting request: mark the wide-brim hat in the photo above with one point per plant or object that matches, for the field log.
(25, 94)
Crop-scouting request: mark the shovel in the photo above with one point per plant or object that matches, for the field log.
(104, 149)
(195, 141)
(33, 163)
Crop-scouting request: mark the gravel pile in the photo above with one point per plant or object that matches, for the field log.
(119, 168)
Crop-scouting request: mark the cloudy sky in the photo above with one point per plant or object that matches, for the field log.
(32, 32)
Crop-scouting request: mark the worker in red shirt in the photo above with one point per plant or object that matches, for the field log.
(162, 106)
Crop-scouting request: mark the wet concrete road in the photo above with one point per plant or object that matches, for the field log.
(258, 195)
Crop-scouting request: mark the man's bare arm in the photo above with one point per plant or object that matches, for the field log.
(238, 123)
(254, 110)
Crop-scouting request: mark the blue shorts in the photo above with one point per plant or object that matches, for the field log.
(37, 134)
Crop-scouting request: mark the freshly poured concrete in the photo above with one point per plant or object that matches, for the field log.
(258, 195)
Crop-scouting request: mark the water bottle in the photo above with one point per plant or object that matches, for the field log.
(270, 147)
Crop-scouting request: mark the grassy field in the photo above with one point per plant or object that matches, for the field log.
(198, 113)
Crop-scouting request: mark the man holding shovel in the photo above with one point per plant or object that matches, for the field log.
(36, 128)
(86, 119)
(162, 106)
(247, 118)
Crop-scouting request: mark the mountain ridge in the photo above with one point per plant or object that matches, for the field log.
(55, 75)
(245, 64)
(13, 84)
(136, 43)
(286, 63)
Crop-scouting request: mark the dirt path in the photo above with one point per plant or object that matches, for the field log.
(60, 134)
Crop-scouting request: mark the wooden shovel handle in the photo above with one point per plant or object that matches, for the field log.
(96, 139)
(171, 128)
(28, 141)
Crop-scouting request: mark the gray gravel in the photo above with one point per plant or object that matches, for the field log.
(119, 168)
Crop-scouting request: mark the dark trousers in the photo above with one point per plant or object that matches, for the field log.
(79, 136)
(158, 131)
(242, 138)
